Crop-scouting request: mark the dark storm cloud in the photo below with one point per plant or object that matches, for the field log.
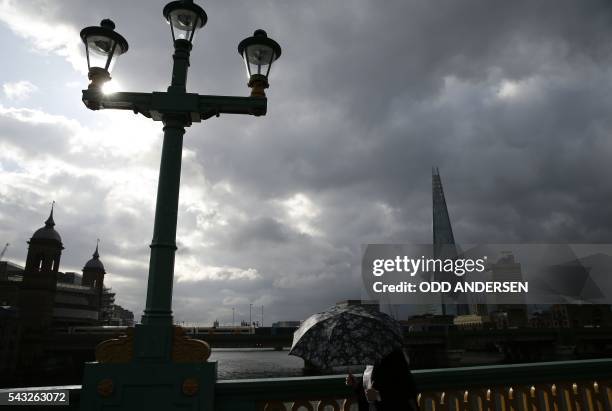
(375, 109)
(510, 99)
(344, 114)
(261, 231)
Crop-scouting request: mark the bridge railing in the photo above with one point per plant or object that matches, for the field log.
(569, 385)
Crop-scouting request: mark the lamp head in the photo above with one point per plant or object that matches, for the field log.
(102, 46)
(258, 52)
(185, 18)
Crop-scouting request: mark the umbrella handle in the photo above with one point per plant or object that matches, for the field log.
(350, 377)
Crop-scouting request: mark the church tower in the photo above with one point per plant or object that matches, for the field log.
(93, 276)
(44, 252)
(37, 293)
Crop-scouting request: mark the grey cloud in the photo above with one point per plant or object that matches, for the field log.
(364, 100)
(262, 231)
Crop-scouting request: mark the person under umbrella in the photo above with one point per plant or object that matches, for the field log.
(386, 386)
(357, 335)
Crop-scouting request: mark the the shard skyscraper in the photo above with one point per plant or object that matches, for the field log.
(443, 240)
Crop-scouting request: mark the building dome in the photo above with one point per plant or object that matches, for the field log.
(94, 264)
(47, 232)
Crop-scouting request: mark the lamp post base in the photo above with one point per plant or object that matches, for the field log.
(141, 386)
(151, 367)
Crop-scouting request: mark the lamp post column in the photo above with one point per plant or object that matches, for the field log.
(182, 50)
(158, 310)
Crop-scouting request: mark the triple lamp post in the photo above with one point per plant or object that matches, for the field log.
(155, 366)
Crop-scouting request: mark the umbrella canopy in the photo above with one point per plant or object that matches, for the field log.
(352, 335)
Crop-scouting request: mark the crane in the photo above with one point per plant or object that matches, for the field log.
(4, 250)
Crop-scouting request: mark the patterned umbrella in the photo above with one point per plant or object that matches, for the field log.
(352, 335)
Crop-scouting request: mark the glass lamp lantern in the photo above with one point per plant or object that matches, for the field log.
(185, 18)
(258, 52)
(102, 46)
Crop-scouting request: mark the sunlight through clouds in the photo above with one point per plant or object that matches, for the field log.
(44, 34)
(509, 89)
(111, 87)
(119, 135)
(190, 270)
(302, 213)
(515, 89)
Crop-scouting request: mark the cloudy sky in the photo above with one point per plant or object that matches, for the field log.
(512, 100)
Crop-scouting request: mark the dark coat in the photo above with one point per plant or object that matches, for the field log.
(395, 384)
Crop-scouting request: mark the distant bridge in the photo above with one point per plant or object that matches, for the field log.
(524, 344)
(88, 341)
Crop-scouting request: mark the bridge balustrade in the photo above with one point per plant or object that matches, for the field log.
(569, 385)
(572, 385)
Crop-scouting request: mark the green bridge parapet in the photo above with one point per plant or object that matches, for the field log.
(561, 385)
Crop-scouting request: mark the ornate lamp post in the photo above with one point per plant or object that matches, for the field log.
(155, 366)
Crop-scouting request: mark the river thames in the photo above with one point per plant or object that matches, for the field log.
(238, 363)
(255, 363)
(261, 363)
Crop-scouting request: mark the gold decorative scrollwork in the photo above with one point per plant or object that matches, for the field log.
(105, 387)
(346, 404)
(302, 404)
(328, 402)
(117, 350)
(569, 395)
(190, 387)
(188, 350)
(275, 406)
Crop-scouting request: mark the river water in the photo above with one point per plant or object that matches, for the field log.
(260, 363)
(254, 363)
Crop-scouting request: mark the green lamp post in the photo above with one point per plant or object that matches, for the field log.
(155, 366)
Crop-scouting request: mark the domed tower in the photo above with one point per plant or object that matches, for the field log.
(37, 293)
(45, 249)
(93, 275)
